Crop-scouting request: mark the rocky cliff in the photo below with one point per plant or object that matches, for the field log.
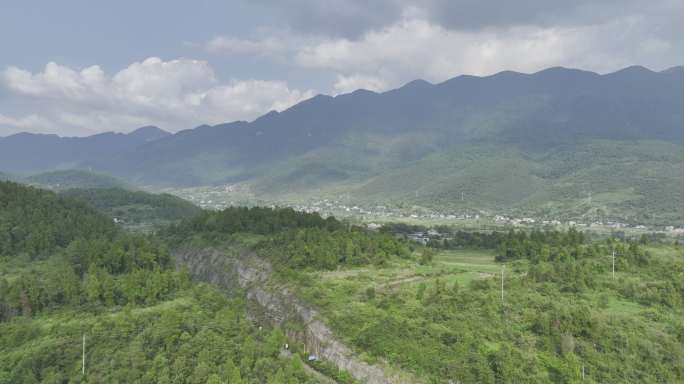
(269, 302)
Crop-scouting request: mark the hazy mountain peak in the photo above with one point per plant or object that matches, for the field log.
(29, 135)
(564, 71)
(634, 69)
(674, 70)
(418, 83)
(506, 74)
(149, 133)
(270, 115)
(362, 91)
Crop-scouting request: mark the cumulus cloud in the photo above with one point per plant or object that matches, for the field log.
(438, 39)
(235, 45)
(419, 49)
(174, 94)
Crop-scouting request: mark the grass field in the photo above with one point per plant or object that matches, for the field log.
(461, 266)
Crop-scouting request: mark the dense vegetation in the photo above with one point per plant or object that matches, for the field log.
(633, 182)
(70, 179)
(135, 207)
(37, 222)
(67, 271)
(321, 249)
(563, 316)
(297, 239)
(258, 220)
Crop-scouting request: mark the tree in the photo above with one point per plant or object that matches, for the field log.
(426, 256)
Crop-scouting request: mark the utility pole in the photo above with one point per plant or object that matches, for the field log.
(613, 262)
(502, 283)
(83, 366)
(462, 196)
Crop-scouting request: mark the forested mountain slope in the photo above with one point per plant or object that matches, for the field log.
(445, 312)
(435, 312)
(547, 108)
(32, 153)
(68, 276)
(70, 179)
(135, 207)
(530, 144)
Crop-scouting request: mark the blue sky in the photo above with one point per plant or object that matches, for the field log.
(77, 67)
(113, 34)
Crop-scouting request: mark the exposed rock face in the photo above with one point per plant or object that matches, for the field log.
(277, 305)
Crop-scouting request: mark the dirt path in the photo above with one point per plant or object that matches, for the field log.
(405, 280)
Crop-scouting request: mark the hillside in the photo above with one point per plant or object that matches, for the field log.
(560, 319)
(37, 222)
(537, 111)
(629, 181)
(25, 153)
(70, 279)
(438, 313)
(135, 207)
(70, 179)
(386, 309)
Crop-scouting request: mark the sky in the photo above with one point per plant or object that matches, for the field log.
(81, 67)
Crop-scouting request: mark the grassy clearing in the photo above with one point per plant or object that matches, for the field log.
(621, 307)
(460, 266)
(667, 253)
(469, 260)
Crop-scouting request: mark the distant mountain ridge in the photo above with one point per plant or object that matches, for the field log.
(550, 107)
(511, 140)
(31, 153)
(69, 179)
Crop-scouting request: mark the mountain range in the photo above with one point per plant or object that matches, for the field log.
(556, 142)
(31, 153)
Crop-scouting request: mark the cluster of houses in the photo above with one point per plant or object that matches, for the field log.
(424, 237)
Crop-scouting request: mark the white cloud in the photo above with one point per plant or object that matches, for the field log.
(235, 45)
(26, 122)
(266, 42)
(250, 97)
(174, 94)
(417, 48)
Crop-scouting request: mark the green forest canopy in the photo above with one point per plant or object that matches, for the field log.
(66, 271)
